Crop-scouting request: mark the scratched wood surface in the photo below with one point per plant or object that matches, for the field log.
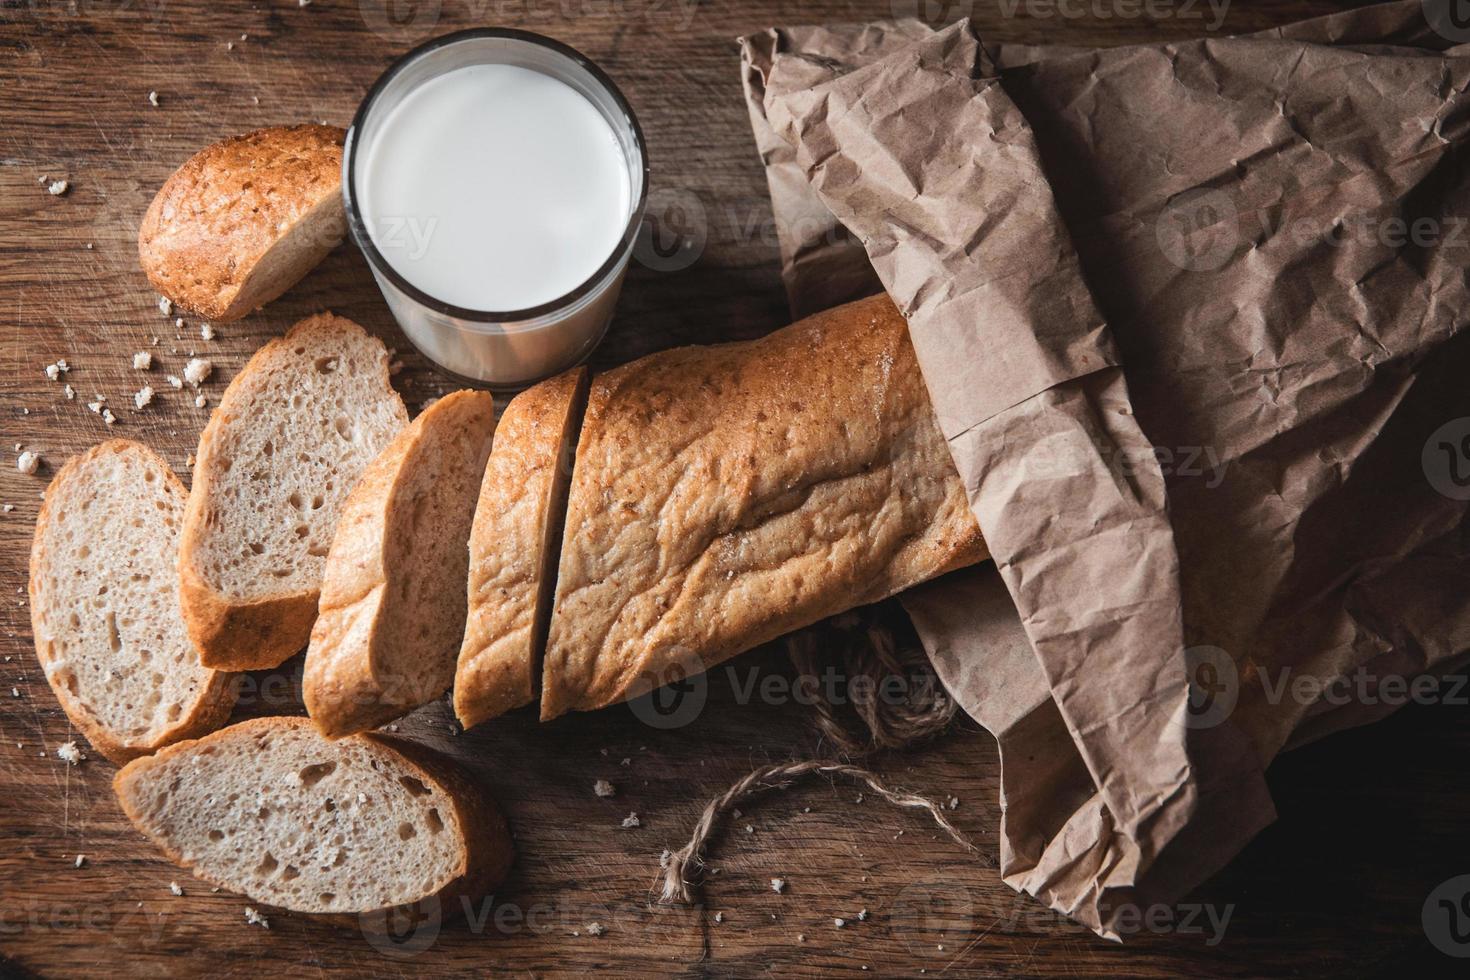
(1371, 820)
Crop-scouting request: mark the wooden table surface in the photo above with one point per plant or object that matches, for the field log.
(1371, 821)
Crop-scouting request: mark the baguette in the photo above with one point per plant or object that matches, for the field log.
(723, 496)
(244, 219)
(271, 810)
(392, 608)
(288, 441)
(105, 605)
(513, 544)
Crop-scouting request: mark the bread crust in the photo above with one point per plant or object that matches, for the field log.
(514, 536)
(723, 496)
(206, 235)
(348, 685)
(234, 633)
(489, 851)
(216, 698)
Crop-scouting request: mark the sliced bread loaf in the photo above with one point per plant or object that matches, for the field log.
(513, 546)
(244, 219)
(725, 495)
(105, 605)
(270, 809)
(287, 443)
(392, 608)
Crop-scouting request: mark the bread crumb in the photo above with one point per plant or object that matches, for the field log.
(604, 788)
(954, 802)
(254, 918)
(80, 861)
(595, 929)
(200, 401)
(53, 372)
(8, 508)
(142, 361)
(863, 915)
(749, 829)
(175, 381)
(153, 99)
(631, 821)
(108, 417)
(626, 762)
(719, 917)
(189, 462)
(28, 462)
(801, 937)
(142, 397)
(69, 392)
(58, 187)
(665, 857)
(197, 371)
(778, 885)
(178, 325)
(165, 306)
(839, 923)
(206, 331)
(69, 753)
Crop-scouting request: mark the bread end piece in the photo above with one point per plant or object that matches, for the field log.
(513, 547)
(392, 611)
(244, 219)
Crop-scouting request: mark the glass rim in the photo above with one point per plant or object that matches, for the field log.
(358, 226)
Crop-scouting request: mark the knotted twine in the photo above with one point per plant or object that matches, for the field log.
(872, 657)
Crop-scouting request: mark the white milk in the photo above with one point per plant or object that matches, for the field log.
(495, 187)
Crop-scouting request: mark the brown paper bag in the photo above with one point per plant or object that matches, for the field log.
(1192, 319)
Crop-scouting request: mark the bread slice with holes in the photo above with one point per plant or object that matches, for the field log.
(270, 809)
(105, 605)
(392, 609)
(513, 546)
(288, 441)
(244, 219)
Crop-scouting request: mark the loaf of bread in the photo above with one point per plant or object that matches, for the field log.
(723, 496)
(513, 544)
(392, 608)
(244, 219)
(105, 605)
(287, 443)
(271, 810)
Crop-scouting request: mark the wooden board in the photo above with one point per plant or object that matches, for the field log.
(1371, 820)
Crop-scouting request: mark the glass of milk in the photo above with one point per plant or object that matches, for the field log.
(495, 180)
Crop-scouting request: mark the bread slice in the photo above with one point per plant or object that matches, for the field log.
(513, 547)
(244, 219)
(723, 496)
(105, 605)
(393, 601)
(287, 443)
(270, 809)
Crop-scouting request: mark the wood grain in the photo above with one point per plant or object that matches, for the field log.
(1371, 820)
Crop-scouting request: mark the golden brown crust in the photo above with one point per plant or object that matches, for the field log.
(231, 632)
(204, 236)
(489, 850)
(366, 613)
(216, 699)
(723, 496)
(522, 497)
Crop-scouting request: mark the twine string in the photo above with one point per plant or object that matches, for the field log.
(872, 655)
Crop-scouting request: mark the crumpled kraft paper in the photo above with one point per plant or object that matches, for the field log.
(1192, 316)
